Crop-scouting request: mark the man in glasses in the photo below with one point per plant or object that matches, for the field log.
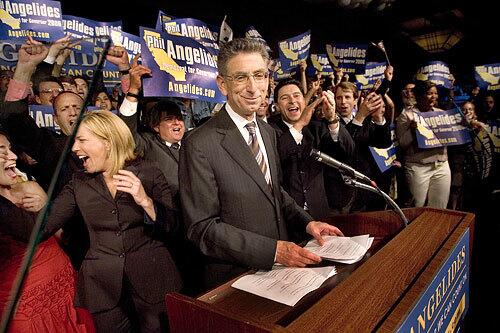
(235, 210)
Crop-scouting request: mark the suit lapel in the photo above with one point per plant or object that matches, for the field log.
(98, 184)
(174, 153)
(238, 149)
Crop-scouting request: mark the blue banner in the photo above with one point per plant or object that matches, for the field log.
(384, 157)
(162, 18)
(89, 32)
(8, 55)
(493, 127)
(437, 72)
(251, 32)
(293, 50)
(44, 117)
(40, 19)
(349, 56)
(373, 72)
(441, 128)
(445, 302)
(487, 76)
(181, 67)
(81, 64)
(203, 33)
(321, 63)
(278, 73)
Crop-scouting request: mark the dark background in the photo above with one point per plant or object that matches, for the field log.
(278, 20)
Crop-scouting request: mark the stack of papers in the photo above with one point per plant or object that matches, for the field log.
(284, 284)
(346, 250)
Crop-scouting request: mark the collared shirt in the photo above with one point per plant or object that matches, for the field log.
(240, 123)
(298, 136)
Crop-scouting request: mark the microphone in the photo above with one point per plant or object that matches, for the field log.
(330, 161)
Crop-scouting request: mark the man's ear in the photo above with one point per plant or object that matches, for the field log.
(156, 129)
(38, 100)
(221, 83)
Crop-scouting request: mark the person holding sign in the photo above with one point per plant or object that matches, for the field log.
(427, 170)
(235, 209)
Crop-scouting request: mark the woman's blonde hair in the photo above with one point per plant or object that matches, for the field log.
(109, 127)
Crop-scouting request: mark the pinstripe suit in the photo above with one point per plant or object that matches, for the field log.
(229, 210)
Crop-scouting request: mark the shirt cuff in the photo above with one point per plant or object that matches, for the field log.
(297, 136)
(50, 59)
(17, 91)
(128, 108)
(381, 123)
(335, 133)
(356, 122)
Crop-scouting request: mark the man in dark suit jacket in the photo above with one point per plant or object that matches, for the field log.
(297, 135)
(367, 127)
(234, 207)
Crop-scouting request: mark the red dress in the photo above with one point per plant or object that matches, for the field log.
(46, 303)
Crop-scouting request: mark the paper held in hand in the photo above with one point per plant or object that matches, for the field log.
(346, 250)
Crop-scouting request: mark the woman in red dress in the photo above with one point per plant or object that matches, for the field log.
(46, 300)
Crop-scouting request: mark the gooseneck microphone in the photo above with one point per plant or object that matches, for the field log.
(330, 161)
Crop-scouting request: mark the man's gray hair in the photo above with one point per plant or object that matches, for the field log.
(238, 46)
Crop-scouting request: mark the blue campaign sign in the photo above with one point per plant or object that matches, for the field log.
(278, 73)
(40, 19)
(44, 117)
(441, 128)
(181, 67)
(82, 64)
(493, 127)
(445, 302)
(488, 76)
(89, 31)
(349, 56)
(384, 157)
(251, 32)
(203, 33)
(437, 72)
(293, 50)
(8, 55)
(373, 71)
(162, 18)
(321, 64)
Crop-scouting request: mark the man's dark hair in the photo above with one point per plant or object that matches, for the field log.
(38, 79)
(286, 82)
(422, 87)
(161, 110)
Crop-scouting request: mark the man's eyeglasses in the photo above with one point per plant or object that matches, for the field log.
(51, 91)
(242, 78)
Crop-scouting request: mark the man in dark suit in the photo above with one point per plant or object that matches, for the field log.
(234, 207)
(297, 135)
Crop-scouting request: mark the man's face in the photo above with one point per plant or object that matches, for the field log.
(489, 102)
(245, 84)
(171, 129)
(66, 111)
(291, 103)
(345, 102)
(81, 87)
(47, 92)
(4, 81)
(7, 163)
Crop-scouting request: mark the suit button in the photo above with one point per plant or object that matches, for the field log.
(121, 255)
(305, 191)
(113, 211)
(118, 233)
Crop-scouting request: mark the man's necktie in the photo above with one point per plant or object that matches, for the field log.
(257, 153)
(176, 146)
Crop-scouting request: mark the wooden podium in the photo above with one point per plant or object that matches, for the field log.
(375, 294)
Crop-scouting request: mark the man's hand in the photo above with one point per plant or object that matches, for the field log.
(30, 55)
(292, 255)
(317, 229)
(306, 115)
(136, 72)
(329, 105)
(370, 104)
(118, 55)
(58, 46)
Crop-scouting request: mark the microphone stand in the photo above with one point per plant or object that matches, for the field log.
(354, 183)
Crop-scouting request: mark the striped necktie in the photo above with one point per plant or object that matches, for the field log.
(257, 153)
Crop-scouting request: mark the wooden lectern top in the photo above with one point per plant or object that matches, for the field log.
(374, 294)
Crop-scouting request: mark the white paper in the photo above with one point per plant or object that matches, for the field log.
(345, 250)
(285, 284)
